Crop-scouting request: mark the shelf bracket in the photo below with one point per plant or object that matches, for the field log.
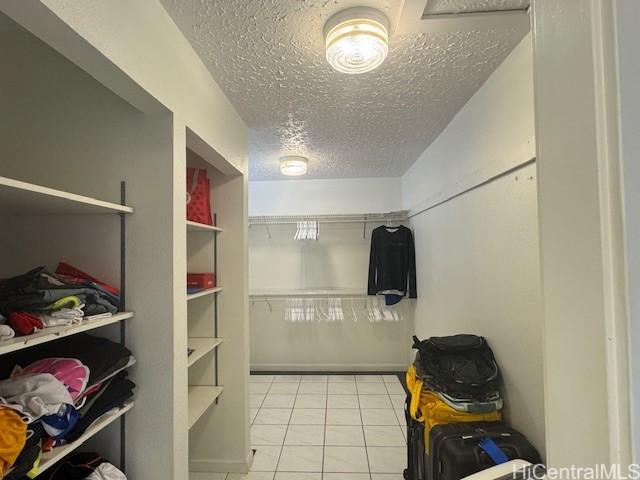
(123, 338)
(215, 312)
(266, 299)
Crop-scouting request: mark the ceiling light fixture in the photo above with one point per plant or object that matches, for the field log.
(293, 166)
(357, 39)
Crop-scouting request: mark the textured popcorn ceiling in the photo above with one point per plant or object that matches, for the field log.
(268, 56)
(438, 7)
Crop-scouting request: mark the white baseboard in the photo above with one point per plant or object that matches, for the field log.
(220, 466)
(329, 367)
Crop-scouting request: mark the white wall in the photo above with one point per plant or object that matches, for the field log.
(308, 197)
(477, 253)
(579, 196)
(338, 260)
(151, 56)
(628, 13)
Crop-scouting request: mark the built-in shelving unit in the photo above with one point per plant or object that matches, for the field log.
(200, 347)
(204, 293)
(217, 367)
(202, 320)
(22, 199)
(201, 398)
(54, 333)
(50, 458)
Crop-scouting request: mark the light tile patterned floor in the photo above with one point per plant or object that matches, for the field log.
(318, 427)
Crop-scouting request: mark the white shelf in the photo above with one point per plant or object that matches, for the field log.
(200, 347)
(201, 227)
(209, 291)
(200, 399)
(20, 198)
(344, 292)
(380, 217)
(54, 333)
(50, 458)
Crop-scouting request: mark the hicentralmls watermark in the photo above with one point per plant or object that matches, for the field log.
(574, 472)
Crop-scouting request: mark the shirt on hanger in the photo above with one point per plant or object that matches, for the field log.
(392, 262)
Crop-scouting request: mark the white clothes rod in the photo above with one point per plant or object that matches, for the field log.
(445, 197)
(308, 293)
(399, 216)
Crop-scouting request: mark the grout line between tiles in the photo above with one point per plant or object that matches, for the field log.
(287, 429)
(324, 429)
(364, 437)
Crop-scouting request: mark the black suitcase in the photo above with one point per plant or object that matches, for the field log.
(415, 447)
(455, 452)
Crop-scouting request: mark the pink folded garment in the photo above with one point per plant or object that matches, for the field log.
(70, 371)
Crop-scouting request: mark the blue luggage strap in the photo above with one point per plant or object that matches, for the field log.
(493, 450)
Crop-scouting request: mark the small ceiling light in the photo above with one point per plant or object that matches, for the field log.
(293, 166)
(357, 40)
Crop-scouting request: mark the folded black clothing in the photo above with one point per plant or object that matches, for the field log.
(113, 370)
(20, 284)
(93, 397)
(34, 290)
(115, 395)
(35, 432)
(19, 303)
(24, 463)
(76, 466)
(103, 357)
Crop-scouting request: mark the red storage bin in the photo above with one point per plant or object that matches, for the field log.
(201, 281)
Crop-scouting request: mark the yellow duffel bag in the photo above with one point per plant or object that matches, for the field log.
(426, 407)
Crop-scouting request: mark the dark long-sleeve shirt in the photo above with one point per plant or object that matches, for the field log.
(392, 262)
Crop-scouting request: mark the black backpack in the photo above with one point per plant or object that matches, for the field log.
(458, 365)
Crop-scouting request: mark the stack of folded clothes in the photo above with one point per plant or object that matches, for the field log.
(39, 299)
(53, 393)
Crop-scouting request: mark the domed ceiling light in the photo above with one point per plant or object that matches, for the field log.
(357, 40)
(293, 166)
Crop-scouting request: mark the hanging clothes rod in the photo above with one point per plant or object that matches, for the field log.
(307, 293)
(399, 216)
(471, 188)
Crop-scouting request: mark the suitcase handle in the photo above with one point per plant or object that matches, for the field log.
(494, 451)
(483, 433)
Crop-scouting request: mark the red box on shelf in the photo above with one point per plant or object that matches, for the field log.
(201, 280)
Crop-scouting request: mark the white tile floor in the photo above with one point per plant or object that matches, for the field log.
(315, 427)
